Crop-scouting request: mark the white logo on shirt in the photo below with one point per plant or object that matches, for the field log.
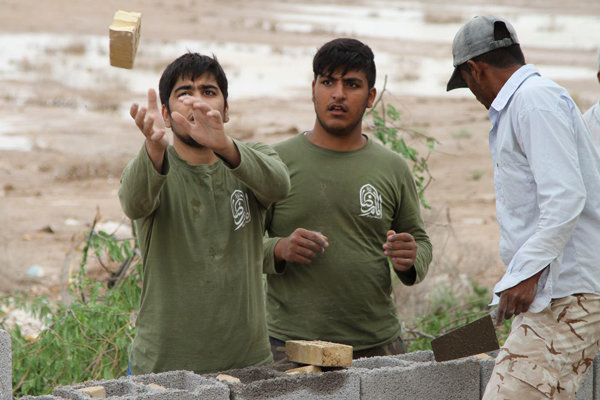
(240, 209)
(370, 202)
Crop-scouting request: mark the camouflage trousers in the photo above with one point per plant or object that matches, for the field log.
(547, 354)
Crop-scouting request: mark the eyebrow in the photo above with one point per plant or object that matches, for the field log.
(332, 78)
(201, 87)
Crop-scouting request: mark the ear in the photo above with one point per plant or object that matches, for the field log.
(226, 113)
(313, 91)
(372, 95)
(166, 117)
(477, 70)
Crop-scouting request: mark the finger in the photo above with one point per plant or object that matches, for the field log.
(140, 118)
(300, 259)
(157, 135)
(133, 110)
(152, 101)
(147, 128)
(308, 244)
(408, 254)
(182, 121)
(319, 238)
(501, 308)
(402, 237)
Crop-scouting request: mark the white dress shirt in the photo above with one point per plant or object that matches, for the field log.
(547, 182)
(592, 119)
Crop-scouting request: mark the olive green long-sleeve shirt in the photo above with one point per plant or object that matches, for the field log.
(200, 230)
(353, 198)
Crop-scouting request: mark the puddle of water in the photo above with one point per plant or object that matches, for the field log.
(410, 21)
(257, 70)
(9, 141)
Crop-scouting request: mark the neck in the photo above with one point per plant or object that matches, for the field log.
(322, 138)
(194, 155)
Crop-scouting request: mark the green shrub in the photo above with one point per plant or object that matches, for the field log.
(87, 338)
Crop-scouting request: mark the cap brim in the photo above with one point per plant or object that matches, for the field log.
(456, 81)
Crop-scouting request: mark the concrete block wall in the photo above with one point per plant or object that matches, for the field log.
(408, 376)
(5, 366)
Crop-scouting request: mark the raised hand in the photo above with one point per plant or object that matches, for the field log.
(301, 247)
(205, 126)
(401, 249)
(150, 122)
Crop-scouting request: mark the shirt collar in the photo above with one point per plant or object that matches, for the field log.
(511, 86)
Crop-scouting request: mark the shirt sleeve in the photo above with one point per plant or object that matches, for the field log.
(409, 219)
(263, 172)
(548, 140)
(141, 185)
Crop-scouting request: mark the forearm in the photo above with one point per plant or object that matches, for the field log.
(140, 186)
(263, 172)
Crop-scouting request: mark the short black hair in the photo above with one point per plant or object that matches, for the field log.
(190, 65)
(348, 54)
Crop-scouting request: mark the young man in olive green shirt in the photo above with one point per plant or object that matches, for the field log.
(199, 208)
(353, 210)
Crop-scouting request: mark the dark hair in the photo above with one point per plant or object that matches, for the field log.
(349, 54)
(190, 65)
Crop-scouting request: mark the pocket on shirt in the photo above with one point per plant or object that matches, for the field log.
(516, 190)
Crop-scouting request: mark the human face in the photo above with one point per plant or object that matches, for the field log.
(473, 77)
(340, 101)
(204, 88)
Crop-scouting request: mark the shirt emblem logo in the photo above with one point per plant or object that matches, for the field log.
(370, 202)
(240, 209)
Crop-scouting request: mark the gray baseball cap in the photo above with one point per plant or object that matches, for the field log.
(476, 37)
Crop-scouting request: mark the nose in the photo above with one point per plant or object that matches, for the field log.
(338, 92)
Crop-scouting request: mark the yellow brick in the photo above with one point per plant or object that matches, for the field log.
(483, 355)
(124, 36)
(317, 352)
(308, 369)
(228, 378)
(156, 386)
(94, 391)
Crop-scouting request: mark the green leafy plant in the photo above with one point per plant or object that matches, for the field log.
(87, 337)
(449, 312)
(389, 129)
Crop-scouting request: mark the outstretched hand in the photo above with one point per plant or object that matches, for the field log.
(301, 247)
(150, 122)
(401, 249)
(206, 127)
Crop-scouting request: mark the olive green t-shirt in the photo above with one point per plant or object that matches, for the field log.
(353, 198)
(200, 230)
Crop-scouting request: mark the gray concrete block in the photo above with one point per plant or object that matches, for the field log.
(380, 362)
(5, 366)
(586, 390)
(450, 380)
(182, 385)
(332, 385)
(485, 367)
(120, 388)
(417, 356)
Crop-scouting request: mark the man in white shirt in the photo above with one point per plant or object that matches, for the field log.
(547, 182)
(592, 116)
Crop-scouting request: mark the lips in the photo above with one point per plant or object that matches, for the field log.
(337, 108)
